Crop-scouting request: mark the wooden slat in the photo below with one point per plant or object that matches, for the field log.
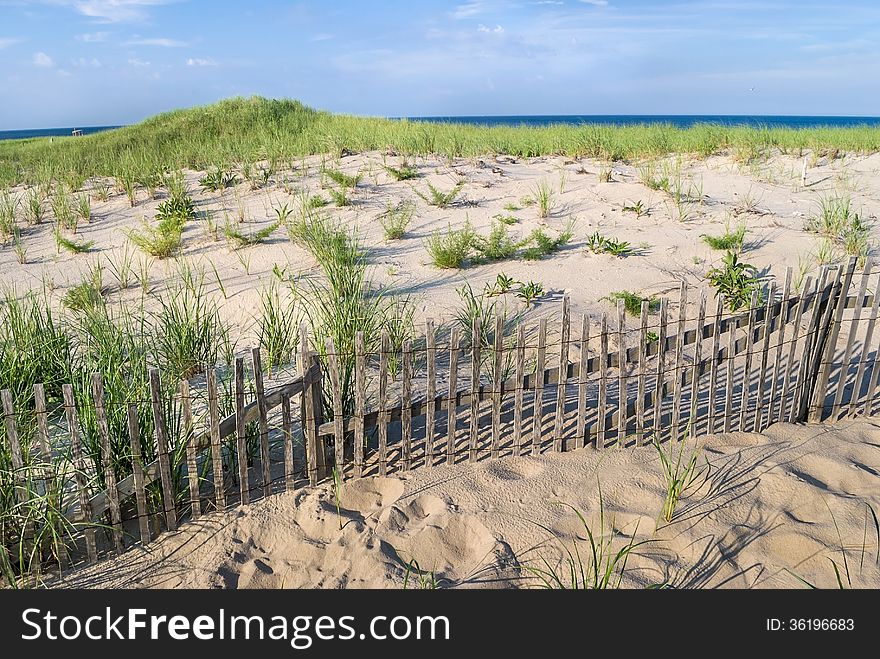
(137, 470)
(307, 407)
(852, 404)
(679, 362)
(162, 451)
(287, 435)
(338, 421)
(765, 352)
(431, 390)
(263, 412)
(214, 430)
(497, 381)
(792, 349)
(621, 374)
(780, 342)
(360, 398)
(850, 342)
(599, 442)
(800, 405)
(827, 358)
(582, 383)
(474, 417)
(516, 442)
(79, 466)
(42, 422)
(730, 374)
(714, 363)
(406, 403)
(872, 384)
(244, 485)
(107, 460)
(385, 349)
(697, 365)
(657, 426)
(538, 406)
(192, 471)
(747, 367)
(640, 386)
(452, 391)
(565, 339)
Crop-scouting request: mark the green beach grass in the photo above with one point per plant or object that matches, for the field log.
(247, 129)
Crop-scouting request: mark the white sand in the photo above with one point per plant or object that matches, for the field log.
(671, 250)
(765, 512)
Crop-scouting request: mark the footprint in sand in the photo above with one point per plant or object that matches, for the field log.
(513, 470)
(368, 495)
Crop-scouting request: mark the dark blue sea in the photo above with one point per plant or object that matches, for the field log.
(50, 132)
(678, 120)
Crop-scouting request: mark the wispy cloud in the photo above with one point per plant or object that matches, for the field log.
(116, 11)
(84, 62)
(469, 9)
(42, 60)
(93, 37)
(596, 3)
(5, 42)
(200, 61)
(321, 37)
(160, 42)
(138, 63)
(490, 30)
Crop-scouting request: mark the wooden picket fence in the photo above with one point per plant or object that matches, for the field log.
(494, 392)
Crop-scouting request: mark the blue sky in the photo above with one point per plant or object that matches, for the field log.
(90, 62)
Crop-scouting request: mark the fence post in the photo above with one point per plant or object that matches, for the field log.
(803, 385)
(538, 406)
(244, 485)
(679, 361)
(216, 455)
(107, 460)
(360, 401)
(583, 364)
(474, 419)
(338, 420)
(85, 506)
(828, 343)
(311, 411)
(561, 382)
(852, 405)
(137, 471)
(260, 393)
(162, 452)
(431, 390)
(622, 397)
(792, 349)
(850, 340)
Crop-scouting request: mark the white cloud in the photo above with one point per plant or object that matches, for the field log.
(468, 10)
(138, 63)
(199, 61)
(321, 37)
(490, 30)
(596, 3)
(42, 60)
(161, 42)
(93, 37)
(115, 11)
(5, 42)
(85, 62)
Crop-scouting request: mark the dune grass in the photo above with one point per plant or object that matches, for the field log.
(233, 129)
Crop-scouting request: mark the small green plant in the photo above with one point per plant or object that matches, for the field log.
(542, 244)
(734, 280)
(599, 244)
(175, 184)
(18, 246)
(502, 285)
(632, 302)
(544, 197)
(62, 210)
(69, 245)
(453, 248)
(403, 173)
(8, 205)
(505, 219)
(497, 246)
(652, 337)
(84, 207)
(88, 294)
(729, 240)
(680, 473)
(340, 197)
(343, 180)
(129, 186)
(162, 241)
(511, 207)
(396, 219)
(282, 213)
(217, 180)
(833, 215)
(602, 563)
(530, 291)
(239, 239)
(425, 580)
(440, 199)
(176, 209)
(33, 206)
(101, 190)
(638, 208)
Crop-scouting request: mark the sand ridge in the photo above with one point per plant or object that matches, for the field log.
(765, 514)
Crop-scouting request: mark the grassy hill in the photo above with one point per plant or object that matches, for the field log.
(249, 129)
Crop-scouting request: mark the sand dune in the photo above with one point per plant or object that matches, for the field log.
(768, 511)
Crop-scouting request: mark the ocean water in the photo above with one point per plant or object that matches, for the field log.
(50, 132)
(678, 120)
